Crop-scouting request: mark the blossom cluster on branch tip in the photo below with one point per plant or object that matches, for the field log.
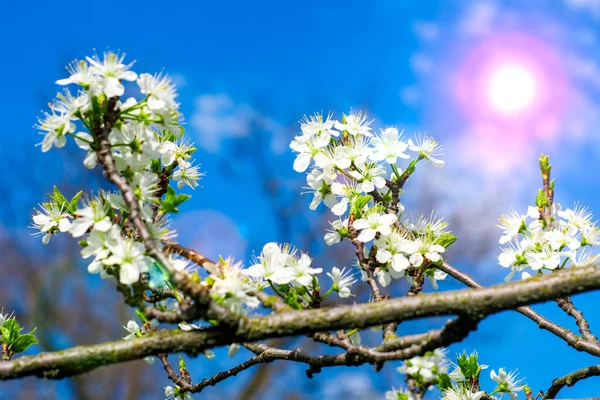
(354, 171)
(145, 142)
(548, 238)
(432, 369)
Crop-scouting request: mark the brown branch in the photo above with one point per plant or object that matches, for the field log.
(473, 303)
(571, 379)
(573, 340)
(192, 255)
(584, 327)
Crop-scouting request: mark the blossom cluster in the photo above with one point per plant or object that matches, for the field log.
(462, 383)
(354, 172)
(145, 141)
(565, 239)
(292, 276)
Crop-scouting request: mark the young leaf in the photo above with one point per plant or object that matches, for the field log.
(23, 342)
(13, 330)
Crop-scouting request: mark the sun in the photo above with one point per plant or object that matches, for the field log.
(512, 89)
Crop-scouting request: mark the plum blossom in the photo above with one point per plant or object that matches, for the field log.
(342, 280)
(427, 148)
(372, 224)
(388, 146)
(50, 219)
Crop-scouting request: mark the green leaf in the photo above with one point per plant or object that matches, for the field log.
(75, 201)
(23, 342)
(141, 316)
(172, 200)
(443, 382)
(59, 199)
(541, 200)
(469, 366)
(358, 203)
(14, 330)
(181, 198)
(5, 333)
(155, 166)
(446, 239)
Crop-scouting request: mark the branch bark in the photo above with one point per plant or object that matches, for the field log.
(575, 341)
(473, 303)
(571, 379)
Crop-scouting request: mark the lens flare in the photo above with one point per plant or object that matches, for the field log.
(512, 89)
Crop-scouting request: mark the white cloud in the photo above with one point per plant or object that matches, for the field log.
(588, 6)
(426, 31)
(422, 63)
(410, 95)
(217, 117)
(479, 18)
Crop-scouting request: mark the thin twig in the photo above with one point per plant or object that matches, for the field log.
(571, 379)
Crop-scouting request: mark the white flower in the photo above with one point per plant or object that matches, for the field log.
(271, 265)
(83, 140)
(135, 145)
(426, 250)
(580, 217)
(427, 148)
(187, 174)
(314, 125)
(372, 224)
(558, 239)
(356, 152)
(232, 288)
(51, 219)
(80, 74)
(54, 127)
(186, 327)
(130, 258)
(145, 186)
(355, 124)
(547, 258)
(370, 178)
(134, 330)
(175, 393)
(388, 147)
(395, 394)
(438, 275)
(170, 152)
(395, 248)
(95, 216)
(97, 244)
(233, 349)
(507, 383)
(342, 281)
(462, 393)
(333, 235)
(307, 148)
(159, 90)
(583, 259)
(319, 182)
(301, 271)
(512, 224)
(111, 71)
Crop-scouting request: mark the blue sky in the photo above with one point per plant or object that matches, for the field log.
(247, 72)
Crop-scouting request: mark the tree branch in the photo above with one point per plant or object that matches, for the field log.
(468, 302)
(584, 327)
(571, 379)
(573, 340)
